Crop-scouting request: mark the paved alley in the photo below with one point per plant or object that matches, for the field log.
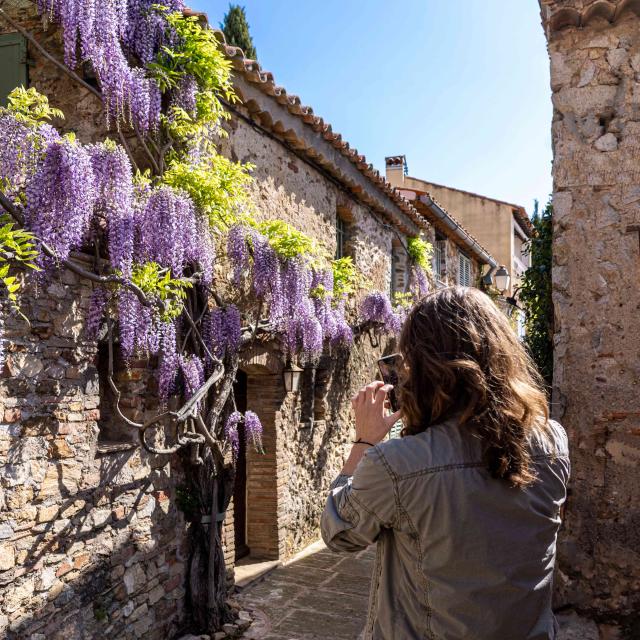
(322, 595)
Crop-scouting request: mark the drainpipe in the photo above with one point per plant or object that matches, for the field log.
(444, 217)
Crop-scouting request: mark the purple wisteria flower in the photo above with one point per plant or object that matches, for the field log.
(60, 197)
(97, 304)
(170, 233)
(192, 374)
(238, 251)
(231, 433)
(114, 189)
(344, 333)
(20, 149)
(419, 281)
(99, 31)
(221, 331)
(376, 307)
(253, 430)
(169, 361)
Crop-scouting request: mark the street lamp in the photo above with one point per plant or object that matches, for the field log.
(502, 279)
(291, 376)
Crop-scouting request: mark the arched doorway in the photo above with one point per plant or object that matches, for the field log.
(257, 533)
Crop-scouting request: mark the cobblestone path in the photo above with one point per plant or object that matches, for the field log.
(323, 595)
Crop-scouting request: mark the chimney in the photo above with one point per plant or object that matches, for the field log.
(396, 170)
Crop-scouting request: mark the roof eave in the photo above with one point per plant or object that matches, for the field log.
(466, 239)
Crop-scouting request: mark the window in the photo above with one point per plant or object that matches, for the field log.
(13, 64)
(464, 270)
(439, 257)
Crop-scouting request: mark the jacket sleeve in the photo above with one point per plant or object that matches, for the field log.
(358, 507)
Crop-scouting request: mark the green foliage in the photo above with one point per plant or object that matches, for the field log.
(420, 252)
(345, 277)
(196, 53)
(534, 294)
(236, 30)
(158, 283)
(217, 186)
(17, 247)
(403, 299)
(30, 106)
(286, 240)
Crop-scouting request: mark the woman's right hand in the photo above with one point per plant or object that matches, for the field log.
(369, 405)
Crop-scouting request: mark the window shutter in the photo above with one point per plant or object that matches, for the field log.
(13, 64)
(395, 430)
(464, 270)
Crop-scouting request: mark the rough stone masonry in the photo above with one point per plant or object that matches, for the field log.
(594, 48)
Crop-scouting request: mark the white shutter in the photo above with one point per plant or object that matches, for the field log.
(464, 270)
(395, 430)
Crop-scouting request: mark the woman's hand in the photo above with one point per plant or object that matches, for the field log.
(369, 405)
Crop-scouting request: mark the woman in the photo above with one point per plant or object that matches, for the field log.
(465, 507)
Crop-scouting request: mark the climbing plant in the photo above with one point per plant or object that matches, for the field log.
(535, 294)
(166, 224)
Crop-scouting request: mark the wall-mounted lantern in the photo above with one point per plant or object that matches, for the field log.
(502, 279)
(291, 376)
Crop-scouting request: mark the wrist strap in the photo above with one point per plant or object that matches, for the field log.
(361, 441)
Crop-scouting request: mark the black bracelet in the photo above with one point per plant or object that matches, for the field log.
(361, 441)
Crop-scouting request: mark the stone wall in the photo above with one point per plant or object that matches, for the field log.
(91, 542)
(595, 69)
(305, 456)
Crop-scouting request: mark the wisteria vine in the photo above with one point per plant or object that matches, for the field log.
(164, 239)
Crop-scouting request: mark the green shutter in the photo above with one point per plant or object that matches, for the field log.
(13, 64)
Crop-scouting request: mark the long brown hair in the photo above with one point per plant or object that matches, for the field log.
(463, 359)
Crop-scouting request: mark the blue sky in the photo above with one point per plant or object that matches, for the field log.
(460, 87)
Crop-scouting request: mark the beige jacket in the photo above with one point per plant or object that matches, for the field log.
(460, 555)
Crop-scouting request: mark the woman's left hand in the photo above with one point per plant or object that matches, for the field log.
(369, 405)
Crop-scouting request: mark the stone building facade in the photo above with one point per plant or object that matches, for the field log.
(94, 540)
(504, 229)
(594, 48)
(458, 256)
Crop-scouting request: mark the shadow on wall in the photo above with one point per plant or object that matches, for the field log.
(107, 562)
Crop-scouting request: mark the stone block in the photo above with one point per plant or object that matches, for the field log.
(47, 514)
(7, 557)
(607, 142)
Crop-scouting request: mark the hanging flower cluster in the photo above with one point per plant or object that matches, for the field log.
(302, 308)
(252, 431)
(104, 32)
(222, 331)
(377, 308)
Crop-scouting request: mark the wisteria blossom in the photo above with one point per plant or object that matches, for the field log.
(60, 197)
(376, 307)
(96, 29)
(231, 433)
(253, 430)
